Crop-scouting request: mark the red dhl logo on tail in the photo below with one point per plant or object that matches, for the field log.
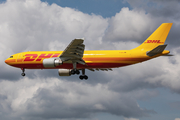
(35, 57)
(154, 41)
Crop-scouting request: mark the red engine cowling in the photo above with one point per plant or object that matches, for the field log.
(64, 72)
(52, 62)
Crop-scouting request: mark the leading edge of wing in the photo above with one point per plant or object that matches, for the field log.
(74, 51)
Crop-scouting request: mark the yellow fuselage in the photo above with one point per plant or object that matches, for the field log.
(92, 58)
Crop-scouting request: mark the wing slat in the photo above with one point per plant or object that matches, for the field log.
(74, 51)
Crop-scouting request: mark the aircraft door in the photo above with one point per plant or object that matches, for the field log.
(20, 57)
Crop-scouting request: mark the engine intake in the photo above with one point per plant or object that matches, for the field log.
(64, 72)
(52, 62)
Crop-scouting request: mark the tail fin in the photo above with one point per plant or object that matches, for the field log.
(158, 37)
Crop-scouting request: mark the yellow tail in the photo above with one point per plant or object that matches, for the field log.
(158, 37)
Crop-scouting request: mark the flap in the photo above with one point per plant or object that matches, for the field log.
(74, 51)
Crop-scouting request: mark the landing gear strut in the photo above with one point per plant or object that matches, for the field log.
(23, 70)
(75, 71)
(83, 76)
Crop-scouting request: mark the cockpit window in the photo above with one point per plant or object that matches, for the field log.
(11, 56)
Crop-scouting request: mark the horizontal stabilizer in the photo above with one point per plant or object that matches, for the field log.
(168, 55)
(159, 49)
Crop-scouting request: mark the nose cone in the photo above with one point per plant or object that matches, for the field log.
(6, 61)
(9, 61)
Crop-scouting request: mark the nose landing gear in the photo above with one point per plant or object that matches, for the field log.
(23, 70)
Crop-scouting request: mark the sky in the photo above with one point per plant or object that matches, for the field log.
(145, 91)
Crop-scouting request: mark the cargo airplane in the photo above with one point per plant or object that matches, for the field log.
(74, 58)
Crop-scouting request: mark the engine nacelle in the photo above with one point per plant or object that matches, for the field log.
(52, 62)
(64, 72)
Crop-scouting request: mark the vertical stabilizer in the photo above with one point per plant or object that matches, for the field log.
(158, 37)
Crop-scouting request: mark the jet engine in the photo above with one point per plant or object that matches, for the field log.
(64, 72)
(52, 62)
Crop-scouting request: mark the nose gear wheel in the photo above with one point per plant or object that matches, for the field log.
(23, 70)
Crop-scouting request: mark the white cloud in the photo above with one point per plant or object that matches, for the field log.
(129, 25)
(177, 119)
(125, 45)
(35, 25)
(56, 45)
(131, 119)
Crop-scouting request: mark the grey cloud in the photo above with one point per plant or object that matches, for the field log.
(137, 76)
(61, 99)
(162, 11)
(170, 10)
(42, 94)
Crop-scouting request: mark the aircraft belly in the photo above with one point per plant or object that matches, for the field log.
(70, 66)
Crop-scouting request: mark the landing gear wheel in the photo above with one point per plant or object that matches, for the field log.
(23, 74)
(83, 77)
(23, 70)
(75, 72)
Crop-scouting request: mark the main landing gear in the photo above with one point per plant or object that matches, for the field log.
(75, 71)
(23, 70)
(83, 76)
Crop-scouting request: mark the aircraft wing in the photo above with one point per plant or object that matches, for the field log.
(103, 69)
(74, 52)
